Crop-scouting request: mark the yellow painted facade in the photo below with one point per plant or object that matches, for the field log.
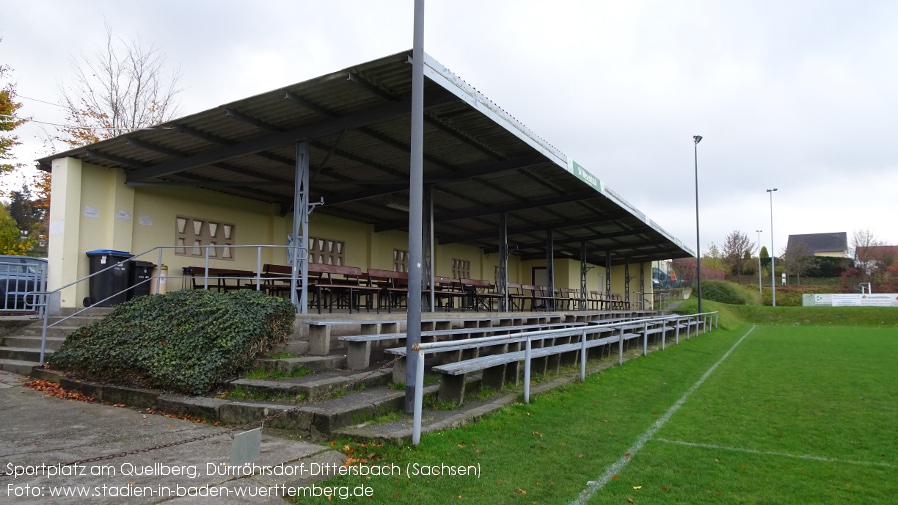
(92, 208)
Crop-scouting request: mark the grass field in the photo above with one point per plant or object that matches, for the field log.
(794, 413)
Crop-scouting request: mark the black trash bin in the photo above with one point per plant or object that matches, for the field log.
(140, 278)
(113, 281)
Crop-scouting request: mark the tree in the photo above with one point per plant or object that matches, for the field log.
(713, 259)
(736, 247)
(9, 120)
(30, 218)
(862, 243)
(797, 258)
(124, 86)
(11, 240)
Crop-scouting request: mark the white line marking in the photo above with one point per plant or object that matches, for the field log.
(775, 453)
(595, 485)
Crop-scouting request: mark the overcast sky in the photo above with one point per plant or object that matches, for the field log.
(796, 95)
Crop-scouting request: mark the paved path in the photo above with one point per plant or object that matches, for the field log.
(37, 432)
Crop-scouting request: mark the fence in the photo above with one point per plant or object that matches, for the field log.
(47, 302)
(21, 279)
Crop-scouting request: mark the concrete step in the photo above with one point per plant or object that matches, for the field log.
(315, 419)
(17, 366)
(322, 418)
(288, 366)
(312, 387)
(22, 354)
(34, 342)
(99, 312)
(55, 331)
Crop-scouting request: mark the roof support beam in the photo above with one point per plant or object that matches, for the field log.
(488, 211)
(537, 227)
(323, 128)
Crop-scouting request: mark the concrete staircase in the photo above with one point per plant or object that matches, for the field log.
(20, 349)
(325, 399)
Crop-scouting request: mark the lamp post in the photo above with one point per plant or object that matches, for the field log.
(760, 293)
(772, 254)
(698, 242)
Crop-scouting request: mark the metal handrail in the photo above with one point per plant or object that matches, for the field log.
(43, 297)
(528, 336)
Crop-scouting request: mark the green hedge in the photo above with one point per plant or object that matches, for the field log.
(727, 292)
(185, 341)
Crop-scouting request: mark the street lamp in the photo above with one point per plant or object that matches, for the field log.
(698, 242)
(772, 254)
(760, 293)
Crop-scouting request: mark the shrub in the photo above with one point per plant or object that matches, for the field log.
(727, 292)
(185, 341)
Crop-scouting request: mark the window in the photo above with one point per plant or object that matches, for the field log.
(194, 234)
(325, 251)
(400, 261)
(461, 269)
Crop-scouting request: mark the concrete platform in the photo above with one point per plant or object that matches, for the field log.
(41, 430)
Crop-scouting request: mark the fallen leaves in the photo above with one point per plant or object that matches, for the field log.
(365, 454)
(53, 389)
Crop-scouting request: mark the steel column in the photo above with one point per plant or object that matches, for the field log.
(627, 283)
(502, 281)
(550, 270)
(584, 270)
(415, 225)
(607, 273)
(642, 286)
(300, 221)
(429, 301)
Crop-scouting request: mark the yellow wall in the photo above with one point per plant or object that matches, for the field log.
(831, 254)
(92, 208)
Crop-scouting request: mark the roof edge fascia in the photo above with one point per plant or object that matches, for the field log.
(439, 74)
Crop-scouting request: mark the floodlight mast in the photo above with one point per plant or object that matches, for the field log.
(760, 293)
(698, 242)
(772, 254)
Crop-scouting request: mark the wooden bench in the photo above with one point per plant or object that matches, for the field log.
(478, 293)
(392, 287)
(445, 291)
(573, 298)
(344, 286)
(276, 279)
(221, 279)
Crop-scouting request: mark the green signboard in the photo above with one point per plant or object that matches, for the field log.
(585, 176)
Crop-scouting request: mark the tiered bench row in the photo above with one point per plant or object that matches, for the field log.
(348, 287)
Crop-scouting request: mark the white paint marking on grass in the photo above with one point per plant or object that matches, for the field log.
(775, 453)
(595, 485)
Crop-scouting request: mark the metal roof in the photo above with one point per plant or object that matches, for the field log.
(480, 160)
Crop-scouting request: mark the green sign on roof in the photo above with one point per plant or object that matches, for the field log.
(585, 176)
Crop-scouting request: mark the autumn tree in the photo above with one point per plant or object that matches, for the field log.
(863, 243)
(11, 240)
(736, 247)
(9, 119)
(713, 258)
(797, 258)
(122, 87)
